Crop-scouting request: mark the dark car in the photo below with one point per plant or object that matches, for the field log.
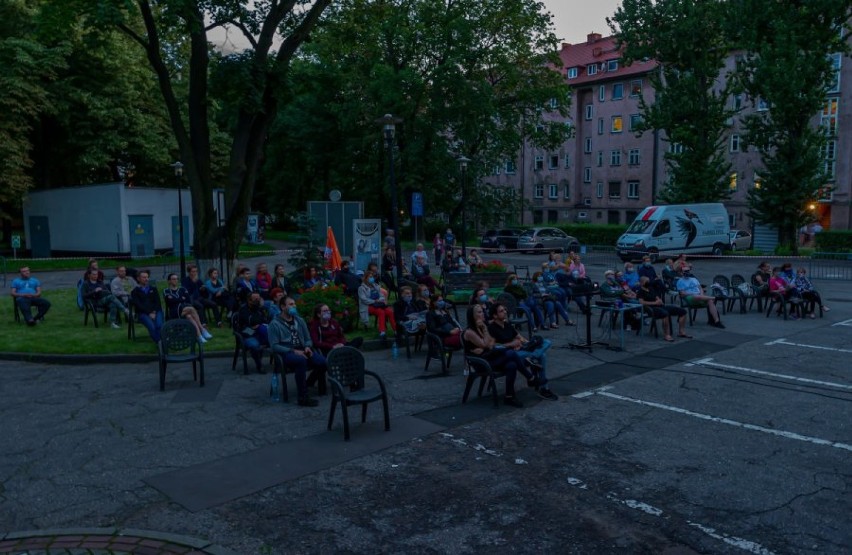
(500, 239)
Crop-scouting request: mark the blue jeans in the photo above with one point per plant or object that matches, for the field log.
(153, 326)
(541, 355)
(255, 344)
(25, 305)
(300, 365)
(531, 304)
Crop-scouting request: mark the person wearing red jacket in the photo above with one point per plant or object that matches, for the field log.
(327, 333)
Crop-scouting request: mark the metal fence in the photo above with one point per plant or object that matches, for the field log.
(830, 265)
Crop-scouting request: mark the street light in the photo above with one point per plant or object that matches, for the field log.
(178, 174)
(388, 123)
(463, 162)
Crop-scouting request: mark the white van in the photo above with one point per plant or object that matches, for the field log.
(668, 230)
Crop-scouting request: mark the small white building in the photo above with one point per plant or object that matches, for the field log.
(107, 219)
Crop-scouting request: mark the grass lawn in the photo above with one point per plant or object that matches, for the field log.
(62, 332)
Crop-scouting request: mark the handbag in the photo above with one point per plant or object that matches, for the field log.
(535, 343)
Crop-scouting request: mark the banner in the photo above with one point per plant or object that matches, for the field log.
(332, 254)
(367, 242)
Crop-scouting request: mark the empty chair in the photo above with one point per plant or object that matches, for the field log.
(179, 343)
(745, 293)
(436, 350)
(480, 368)
(346, 374)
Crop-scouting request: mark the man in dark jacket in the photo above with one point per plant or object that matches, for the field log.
(347, 278)
(251, 325)
(146, 301)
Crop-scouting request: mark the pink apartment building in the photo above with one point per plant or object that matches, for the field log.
(605, 173)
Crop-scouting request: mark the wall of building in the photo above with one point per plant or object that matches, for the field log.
(162, 204)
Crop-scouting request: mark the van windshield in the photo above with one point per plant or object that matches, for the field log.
(640, 226)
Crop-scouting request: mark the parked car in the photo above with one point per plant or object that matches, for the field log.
(546, 239)
(500, 239)
(740, 240)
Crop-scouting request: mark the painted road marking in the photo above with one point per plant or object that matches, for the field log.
(729, 422)
(783, 341)
(843, 323)
(709, 362)
(746, 545)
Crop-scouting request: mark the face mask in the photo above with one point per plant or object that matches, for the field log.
(628, 270)
(687, 273)
(610, 279)
(440, 304)
(406, 298)
(325, 315)
(647, 264)
(483, 298)
(552, 264)
(514, 282)
(540, 279)
(371, 280)
(293, 311)
(425, 294)
(575, 274)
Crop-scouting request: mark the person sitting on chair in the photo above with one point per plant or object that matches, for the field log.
(279, 279)
(786, 291)
(410, 313)
(121, 286)
(146, 300)
(514, 288)
(653, 305)
(534, 355)
(420, 271)
(179, 305)
(217, 292)
(440, 322)
(262, 280)
(613, 290)
(289, 337)
(327, 333)
(347, 279)
(198, 294)
(26, 290)
(252, 326)
(806, 290)
(97, 293)
(689, 288)
(372, 302)
(244, 285)
(474, 260)
(654, 282)
(479, 343)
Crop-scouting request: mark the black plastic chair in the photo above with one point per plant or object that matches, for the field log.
(722, 292)
(90, 307)
(240, 345)
(745, 293)
(436, 350)
(278, 367)
(403, 334)
(346, 374)
(16, 310)
(785, 305)
(179, 343)
(480, 368)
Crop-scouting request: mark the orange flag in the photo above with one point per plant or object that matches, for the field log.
(332, 254)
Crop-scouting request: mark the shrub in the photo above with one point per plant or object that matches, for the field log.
(834, 241)
(344, 309)
(491, 266)
(594, 234)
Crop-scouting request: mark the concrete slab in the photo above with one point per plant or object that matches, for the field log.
(214, 483)
(191, 392)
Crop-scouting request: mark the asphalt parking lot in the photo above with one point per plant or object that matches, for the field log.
(735, 441)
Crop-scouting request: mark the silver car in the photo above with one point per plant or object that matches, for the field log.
(740, 240)
(546, 239)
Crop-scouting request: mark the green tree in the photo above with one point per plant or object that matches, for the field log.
(173, 35)
(788, 67)
(687, 40)
(467, 77)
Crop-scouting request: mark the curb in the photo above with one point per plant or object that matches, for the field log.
(109, 540)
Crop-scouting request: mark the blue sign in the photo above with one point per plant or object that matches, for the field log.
(417, 204)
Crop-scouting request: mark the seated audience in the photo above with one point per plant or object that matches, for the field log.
(778, 285)
(262, 280)
(97, 293)
(179, 305)
(654, 306)
(26, 290)
(421, 273)
(244, 285)
(289, 337)
(420, 254)
(198, 294)
(372, 302)
(474, 260)
(514, 288)
(216, 291)
(806, 290)
(279, 279)
(440, 322)
(410, 313)
(613, 290)
(654, 282)
(690, 289)
(327, 333)
(146, 302)
(347, 279)
(252, 327)
(121, 286)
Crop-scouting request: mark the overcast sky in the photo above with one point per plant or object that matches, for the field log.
(574, 19)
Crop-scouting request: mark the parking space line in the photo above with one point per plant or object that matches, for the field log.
(843, 323)
(709, 362)
(783, 341)
(729, 422)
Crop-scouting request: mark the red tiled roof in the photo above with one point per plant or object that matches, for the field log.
(598, 50)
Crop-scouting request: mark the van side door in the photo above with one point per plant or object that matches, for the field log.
(662, 235)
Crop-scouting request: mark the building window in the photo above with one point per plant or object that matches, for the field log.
(600, 158)
(828, 120)
(618, 91)
(587, 146)
(554, 103)
(615, 158)
(675, 148)
(590, 112)
(602, 93)
(758, 181)
(633, 157)
(830, 170)
(612, 65)
(567, 161)
(614, 189)
(539, 163)
(600, 126)
(587, 174)
(497, 169)
(538, 190)
(617, 124)
(592, 69)
(632, 189)
(636, 88)
(510, 167)
(835, 64)
(735, 143)
(571, 73)
(599, 190)
(635, 120)
(761, 105)
(553, 191)
(732, 181)
(566, 191)
(738, 102)
(570, 130)
(553, 162)
(829, 154)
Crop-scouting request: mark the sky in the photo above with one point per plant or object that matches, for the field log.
(574, 19)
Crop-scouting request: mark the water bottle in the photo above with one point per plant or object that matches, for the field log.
(274, 391)
(394, 350)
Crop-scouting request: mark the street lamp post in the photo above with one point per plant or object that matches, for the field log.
(388, 123)
(178, 174)
(463, 162)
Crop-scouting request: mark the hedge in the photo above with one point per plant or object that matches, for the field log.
(834, 241)
(594, 234)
